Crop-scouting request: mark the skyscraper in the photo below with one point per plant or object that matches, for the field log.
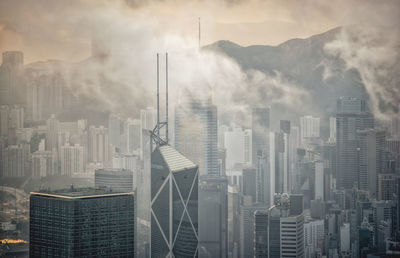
(114, 130)
(261, 242)
(98, 145)
(174, 204)
(235, 147)
(81, 223)
(71, 159)
(347, 125)
(309, 127)
(196, 135)
(371, 147)
(350, 105)
(119, 180)
(12, 85)
(260, 125)
(213, 216)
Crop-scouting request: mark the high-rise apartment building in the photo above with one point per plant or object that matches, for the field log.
(12, 84)
(98, 145)
(81, 223)
(71, 160)
(14, 158)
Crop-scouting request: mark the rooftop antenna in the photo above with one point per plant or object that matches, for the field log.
(166, 97)
(199, 32)
(158, 98)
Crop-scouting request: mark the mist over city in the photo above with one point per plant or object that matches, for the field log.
(201, 128)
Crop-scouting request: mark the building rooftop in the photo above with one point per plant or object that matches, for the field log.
(78, 193)
(175, 160)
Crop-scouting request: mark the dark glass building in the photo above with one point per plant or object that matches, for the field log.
(81, 223)
(174, 204)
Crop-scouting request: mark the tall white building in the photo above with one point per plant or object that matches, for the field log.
(71, 159)
(314, 231)
(309, 127)
(42, 163)
(132, 136)
(98, 145)
(319, 180)
(53, 127)
(13, 161)
(114, 130)
(332, 129)
(235, 147)
(247, 146)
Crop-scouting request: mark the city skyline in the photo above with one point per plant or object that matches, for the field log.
(171, 128)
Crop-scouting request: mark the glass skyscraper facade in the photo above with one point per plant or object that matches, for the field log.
(81, 223)
(174, 204)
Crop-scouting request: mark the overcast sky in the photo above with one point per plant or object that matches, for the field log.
(55, 29)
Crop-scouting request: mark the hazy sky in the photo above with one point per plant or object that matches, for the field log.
(55, 29)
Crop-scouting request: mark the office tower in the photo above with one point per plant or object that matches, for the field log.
(98, 145)
(52, 129)
(114, 130)
(234, 145)
(291, 233)
(11, 120)
(222, 129)
(278, 160)
(248, 147)
(371, 162)
(81, 223)
(4, 111)
(14, 159)
(196, 135)
(263, 180)
(365, 238)
(222, 162)
(260, 126)
(386, 187)
(233, 221)
(285, 162)
(314, 232)
(249, 180)
(319, 181)
(345, 238)
(274, 238)
(12, 85)
(332, 129)
(261, 234)
(42, 163)
(118, 180)
(393, 149)
(174, 204)
(213, 215)
(350, 105)
(132, 133)
(309, 128)
(148, 118)
(247, 228)
(125, 161)
(71, 159)
(347, 125)
(395, 127)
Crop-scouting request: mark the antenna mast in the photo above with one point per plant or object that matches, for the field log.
(166, 97)
(199, 32)
(158, 98)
